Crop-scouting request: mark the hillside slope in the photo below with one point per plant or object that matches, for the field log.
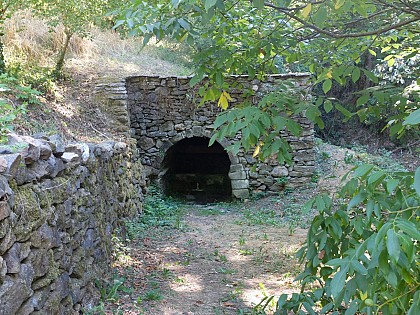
(68, 106)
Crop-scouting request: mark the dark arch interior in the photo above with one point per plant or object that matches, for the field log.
(194, 170)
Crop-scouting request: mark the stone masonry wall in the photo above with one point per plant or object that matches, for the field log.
(163, 111)
(59, 206)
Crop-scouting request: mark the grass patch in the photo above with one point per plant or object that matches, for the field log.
(382, 159)
(283, 210)
(158, 212)
(210, 211)
(153, 295)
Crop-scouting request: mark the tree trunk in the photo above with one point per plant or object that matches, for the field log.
(2, 61)
(62, 55)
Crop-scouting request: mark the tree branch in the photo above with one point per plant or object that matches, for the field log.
(343, 35)
(410, 9)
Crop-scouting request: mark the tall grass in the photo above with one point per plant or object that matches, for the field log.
(31, 49)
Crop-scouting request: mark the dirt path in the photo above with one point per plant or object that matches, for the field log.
(212, 261)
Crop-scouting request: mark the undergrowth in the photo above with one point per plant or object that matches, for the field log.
(159, 211)
(382, 159)
(14, 100)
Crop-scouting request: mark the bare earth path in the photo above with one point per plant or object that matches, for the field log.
(215, 260)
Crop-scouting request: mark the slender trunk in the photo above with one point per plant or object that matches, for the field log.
(3, 15)
(2, 61)
(62, 55)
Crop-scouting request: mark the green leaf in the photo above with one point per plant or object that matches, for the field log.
(381, 233)
(355, 75)
(321, 16)
(369, 208)
(319, 202)
(195, 79)
(185, 25)
(392, 279)
(385, 49)
(328, 106)
(371, 75)
(352, 308)
(393, 245)
(339, 4)
(383, 262)
(362, 99)
(358, 267)
(209, 4)
(391, 184)
(344, 111)
(372, 52)
(356, 200)
(413, 118)
(219, 79)
(308, 308)
(417, 181)
(326, 86)
(416, 304)
(213, 139)
(363, 170)
(293, 127)
(259, 4)
(308, 206)
(338, 282)
(408, 227)
(327, 308)
(375, 178)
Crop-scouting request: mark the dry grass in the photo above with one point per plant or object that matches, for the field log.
(31, 50)
(28, 42)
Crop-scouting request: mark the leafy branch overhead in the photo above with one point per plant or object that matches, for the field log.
(334, 40)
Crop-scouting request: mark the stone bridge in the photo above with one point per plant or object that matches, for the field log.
(172, 134)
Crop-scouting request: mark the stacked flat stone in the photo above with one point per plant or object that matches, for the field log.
(164, 110)
(59, 207)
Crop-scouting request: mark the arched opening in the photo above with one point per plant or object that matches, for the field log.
(194, 170)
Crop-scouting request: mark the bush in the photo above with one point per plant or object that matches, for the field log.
(14, 99)
(362, 248)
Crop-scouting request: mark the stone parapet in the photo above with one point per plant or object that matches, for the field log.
(59, 207)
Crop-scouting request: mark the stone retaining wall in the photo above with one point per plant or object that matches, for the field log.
(163, 111)
(59, 207)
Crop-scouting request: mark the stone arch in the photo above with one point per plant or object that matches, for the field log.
(239, 184)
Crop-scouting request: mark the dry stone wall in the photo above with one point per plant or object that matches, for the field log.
(163, 111)
(59, 207)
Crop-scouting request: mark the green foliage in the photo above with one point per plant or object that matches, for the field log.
(153, 295)
(289, 215)
(14, 99)
(158, 212)
(8, 115)
(249, 37)
(262, 125)
(362, 248)
(75, 15)
(40, 78)
(110, 291)
(7, 8)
